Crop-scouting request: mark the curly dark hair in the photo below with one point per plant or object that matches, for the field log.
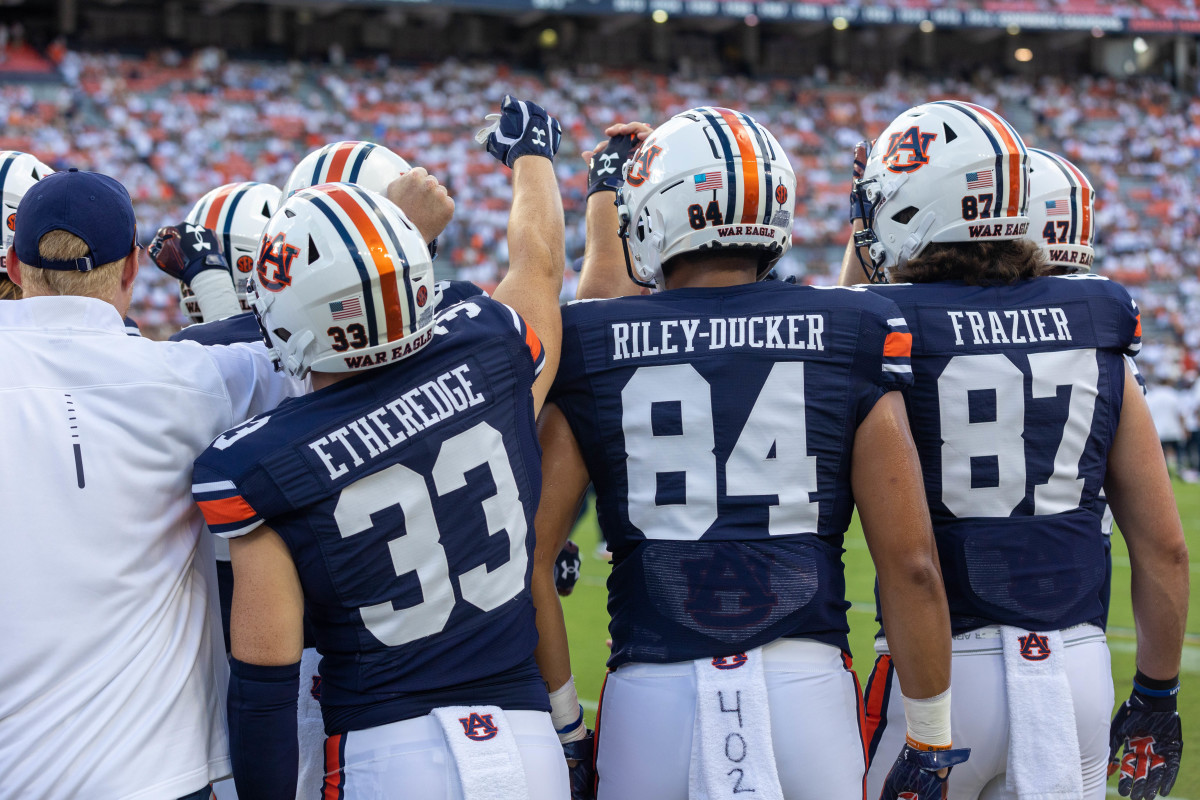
(975, 263)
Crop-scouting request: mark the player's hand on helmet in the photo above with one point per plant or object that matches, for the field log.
(921, 774)
(423, 200)
(859, 207)
(185, 250)
(581, 767)
(566, 568)
(606, 161)
(1147, 728)
(520, 129)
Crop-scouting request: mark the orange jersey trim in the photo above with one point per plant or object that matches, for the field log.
(897, 345)
(749, 166)
(1137, 331)
(383, 264)
(226, 510)
(533, 343)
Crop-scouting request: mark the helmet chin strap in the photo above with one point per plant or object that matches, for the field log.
(292, 357)
(623, 232)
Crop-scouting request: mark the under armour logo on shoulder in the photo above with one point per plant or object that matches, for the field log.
(607, 159)
(1034, 647)
(479, 727)
(538, 133)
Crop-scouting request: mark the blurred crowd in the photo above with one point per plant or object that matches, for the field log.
(172, 127)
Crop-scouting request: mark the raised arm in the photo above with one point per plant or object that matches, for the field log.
(604, 273)
(525, 138)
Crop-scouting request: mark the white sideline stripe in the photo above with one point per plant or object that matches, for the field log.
(589, 705)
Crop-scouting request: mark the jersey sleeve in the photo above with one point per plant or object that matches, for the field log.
(533, 344)
(226, 511)
(253, 384)
(896, 372)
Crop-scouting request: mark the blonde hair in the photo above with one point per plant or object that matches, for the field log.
(101, 282)
(8, 289)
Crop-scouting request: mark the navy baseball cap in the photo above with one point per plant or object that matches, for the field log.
(94, 207)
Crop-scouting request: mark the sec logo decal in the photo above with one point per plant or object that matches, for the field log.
(781, 194)
(422, 296)
(12, 222)
(245, 263)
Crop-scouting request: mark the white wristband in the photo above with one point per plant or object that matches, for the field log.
(215, 294)
(566, 714)
(928, 720)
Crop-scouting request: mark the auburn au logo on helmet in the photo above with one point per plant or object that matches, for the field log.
(275, 263)
(913, 144)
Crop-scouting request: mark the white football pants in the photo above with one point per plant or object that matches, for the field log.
(979, 713)
(644, 739)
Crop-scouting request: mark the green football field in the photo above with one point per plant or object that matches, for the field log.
(587, 624)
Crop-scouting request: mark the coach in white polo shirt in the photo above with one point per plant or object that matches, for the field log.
(111, 680)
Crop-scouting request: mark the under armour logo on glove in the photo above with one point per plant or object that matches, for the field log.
(566, 568)
(520, 129)
(608, 165)
(202, 251)
(198, 241)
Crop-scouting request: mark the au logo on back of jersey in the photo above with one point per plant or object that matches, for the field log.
(479, 727)
(908, 151)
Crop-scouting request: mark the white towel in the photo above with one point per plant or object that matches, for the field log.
(310, 730)
(732, 752)
(1043, 743)
(484, 751)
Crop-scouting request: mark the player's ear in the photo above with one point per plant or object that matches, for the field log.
(10, 263)
(129, 270)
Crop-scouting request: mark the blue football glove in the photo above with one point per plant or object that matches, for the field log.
(185, 250)
(520, 129)
(914, 776)
(606, 170)
(1148, 728)
(566, 568)
(581, 767)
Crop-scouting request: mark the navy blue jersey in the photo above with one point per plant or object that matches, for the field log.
(447, 293)
(717, 426)
(238, 329)
(1016, 398)
(406, 496)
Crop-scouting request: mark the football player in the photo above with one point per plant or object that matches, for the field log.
(18, 173)
(395, 502)
(729, 425)
(1023, 410)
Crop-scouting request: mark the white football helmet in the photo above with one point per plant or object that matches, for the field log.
(706, 178)
(343, 282)
(368, 165)
(237, 213)
(18, 173)
(945, 171)
(1061, 218)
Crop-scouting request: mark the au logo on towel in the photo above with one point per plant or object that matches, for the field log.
(729, 662)
(1034, 647)
(479, 727)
